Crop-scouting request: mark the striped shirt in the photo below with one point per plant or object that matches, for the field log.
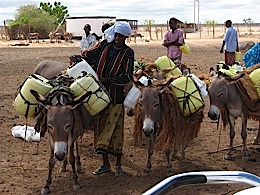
(115, 66)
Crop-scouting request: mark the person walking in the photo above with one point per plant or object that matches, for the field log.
(113, 62)
(172, 40)
(230, 44)
(88, 40)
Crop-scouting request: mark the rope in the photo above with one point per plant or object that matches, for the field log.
(219, 135)
(186, 97)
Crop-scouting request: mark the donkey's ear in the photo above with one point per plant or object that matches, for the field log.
(137, 83)
(165, 85)
(40, 99)
(234, 78)
(78, 101)
(212, 72)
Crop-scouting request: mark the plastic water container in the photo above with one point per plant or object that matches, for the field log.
(185, 48)
(76, 70)
(238, 56)
(97, 101)
(25, 103)
(164, 62)
(255, 78)
(202, 86)
(238, 67)
(134, 93)
(189, 98)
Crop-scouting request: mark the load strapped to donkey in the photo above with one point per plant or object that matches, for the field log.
(65, 107)
(234, 94)
(78, 82)
(169, 111)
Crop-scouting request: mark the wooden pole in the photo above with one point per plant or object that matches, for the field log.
(185, 29)
(161, 32)
(156, 32)
(200, 29)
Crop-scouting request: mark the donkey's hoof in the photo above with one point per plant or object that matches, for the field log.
(245, 158)
(76, 187)
(228, 157)
(45, 191)
(78, 168)
(146, 173)
(63, 169)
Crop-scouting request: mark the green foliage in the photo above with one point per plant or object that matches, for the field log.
(248, 21)
(57, 10)
(148, 22)
(33, 19)
(211, 24)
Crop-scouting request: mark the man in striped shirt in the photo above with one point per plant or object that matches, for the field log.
(113, 62)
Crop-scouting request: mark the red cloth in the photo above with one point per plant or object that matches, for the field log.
(229, 58)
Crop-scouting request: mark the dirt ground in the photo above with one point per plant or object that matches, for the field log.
(17, 62)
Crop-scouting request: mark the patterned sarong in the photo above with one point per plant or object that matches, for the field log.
(229, 58)
(111, 130)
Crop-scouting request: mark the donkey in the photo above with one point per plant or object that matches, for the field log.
(158, 115)
(224, 95)
(64, 126)
(50, 69)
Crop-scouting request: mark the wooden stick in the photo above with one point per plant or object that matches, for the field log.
(223, 149)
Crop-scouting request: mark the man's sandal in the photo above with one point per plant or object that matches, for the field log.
(100, 170)
(119, 171)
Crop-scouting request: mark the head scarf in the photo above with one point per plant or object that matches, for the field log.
(122, 28)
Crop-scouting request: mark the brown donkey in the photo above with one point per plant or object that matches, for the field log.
(64, 126)
(158, 117)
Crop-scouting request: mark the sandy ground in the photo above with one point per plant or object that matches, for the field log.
(17, 62)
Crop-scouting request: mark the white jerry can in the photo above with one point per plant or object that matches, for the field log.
(134, 93)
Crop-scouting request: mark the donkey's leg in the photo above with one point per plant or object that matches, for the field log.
(150, 153)
(52, 161)
(231, 120)
(183, 147)
(244, 136)
(168, 153)
(64, 165)
(257, 138)
(78, 163)
(76, 185)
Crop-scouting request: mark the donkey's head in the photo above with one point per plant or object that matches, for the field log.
(220, 90)
(149, 102)
(60, 119)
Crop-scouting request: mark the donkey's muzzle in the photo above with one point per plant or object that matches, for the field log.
(59, 156)
(213, 113)
(147, 132)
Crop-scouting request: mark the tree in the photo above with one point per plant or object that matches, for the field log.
(248, 23)
(57, 10)
(149, 23)
(29, 18)
(211, 24)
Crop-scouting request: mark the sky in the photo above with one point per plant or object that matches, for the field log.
(158, 10)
